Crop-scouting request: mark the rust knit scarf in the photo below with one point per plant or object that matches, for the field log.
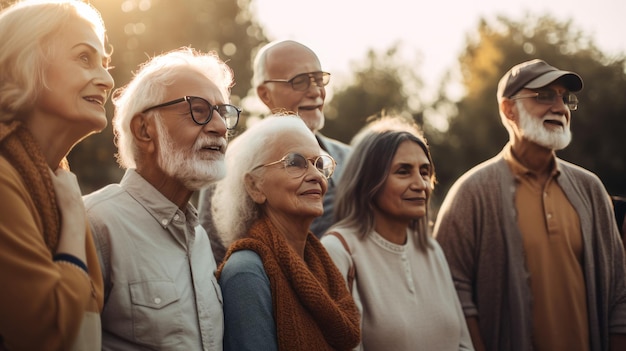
(21, 149)
(313, 309)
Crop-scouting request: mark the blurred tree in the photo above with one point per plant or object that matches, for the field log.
(475, 132)
(138, 29)
(384, 83)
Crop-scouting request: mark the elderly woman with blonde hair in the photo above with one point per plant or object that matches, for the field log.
(54, 81)
(280, 288)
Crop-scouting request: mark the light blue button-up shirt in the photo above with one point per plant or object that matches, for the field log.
(158, 270)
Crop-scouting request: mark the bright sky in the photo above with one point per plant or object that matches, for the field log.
(342, 31)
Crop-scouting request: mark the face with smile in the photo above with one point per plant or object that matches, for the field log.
(285, 61)
(282, 195)
(545, 125)
(77, 78)
(406, 190)
(191, 153)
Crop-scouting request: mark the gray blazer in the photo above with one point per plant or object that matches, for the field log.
(339, 151)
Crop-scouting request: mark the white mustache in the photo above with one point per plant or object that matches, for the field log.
(210, 141)
(552, 116)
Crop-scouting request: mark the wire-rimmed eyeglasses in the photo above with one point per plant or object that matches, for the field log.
(296, 165)
(201, 110)
(548, 97)
(302, 81)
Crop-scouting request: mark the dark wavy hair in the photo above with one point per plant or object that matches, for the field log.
(365, 173)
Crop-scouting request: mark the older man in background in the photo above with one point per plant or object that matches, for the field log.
(288, 77)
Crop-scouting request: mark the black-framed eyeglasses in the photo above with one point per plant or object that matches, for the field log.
(201, 110)
(296, 165)
(548, 97)
(302, 81)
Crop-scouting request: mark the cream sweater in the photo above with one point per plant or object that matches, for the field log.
(405, 296)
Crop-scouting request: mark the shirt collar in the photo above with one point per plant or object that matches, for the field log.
(519, 169)
(160, 207)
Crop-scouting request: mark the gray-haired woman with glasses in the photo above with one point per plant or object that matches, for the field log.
(281, 290)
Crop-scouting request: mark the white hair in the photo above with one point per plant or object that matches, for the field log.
(259, 66)
(232, 208)
(184, 164)
(148, 88)
(532, 129)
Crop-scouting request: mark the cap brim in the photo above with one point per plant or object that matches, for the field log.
(571, 80)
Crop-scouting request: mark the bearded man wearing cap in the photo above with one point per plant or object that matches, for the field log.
(531, 240)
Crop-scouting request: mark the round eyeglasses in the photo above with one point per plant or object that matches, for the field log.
(201, 110)
(296, 165)
(548, 97)
(302, 81)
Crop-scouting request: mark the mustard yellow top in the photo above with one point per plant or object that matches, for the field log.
(42, 302)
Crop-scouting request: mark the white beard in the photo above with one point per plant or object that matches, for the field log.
(186, 165)
(532, 129)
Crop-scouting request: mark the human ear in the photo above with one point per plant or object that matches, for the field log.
(264, 94)
(252, 188)
(507, 107)
(143, 132)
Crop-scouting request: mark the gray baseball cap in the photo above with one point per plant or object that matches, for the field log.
(536, 74)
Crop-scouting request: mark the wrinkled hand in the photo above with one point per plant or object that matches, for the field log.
(73, 217)
(67, 190)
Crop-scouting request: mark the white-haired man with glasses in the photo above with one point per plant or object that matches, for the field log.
(170, 124)
(288, 78)
(530, 239)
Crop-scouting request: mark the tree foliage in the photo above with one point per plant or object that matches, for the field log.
(385, 81)
(141, 29)
(475, 132)
(379, 84)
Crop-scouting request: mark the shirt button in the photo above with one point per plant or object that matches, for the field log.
(164, 221)
(549, 215)
(176, 216)
(157, 300)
